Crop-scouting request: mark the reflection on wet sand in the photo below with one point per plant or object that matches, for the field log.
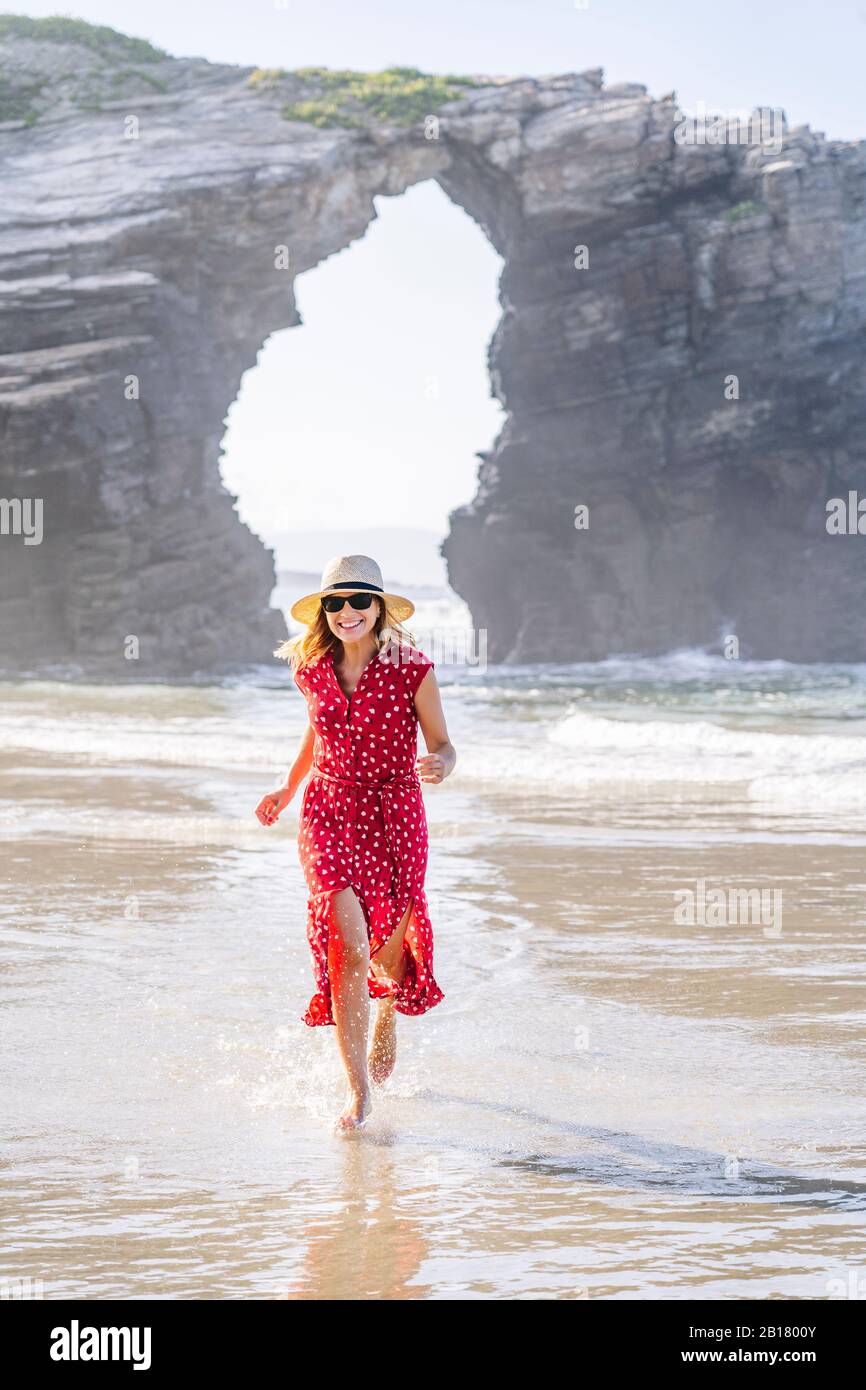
(609, 1103)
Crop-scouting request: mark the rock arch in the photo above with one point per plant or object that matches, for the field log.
(138, 281)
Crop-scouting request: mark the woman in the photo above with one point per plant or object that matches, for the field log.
(362, 837)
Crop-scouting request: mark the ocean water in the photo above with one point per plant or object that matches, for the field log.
(614, 1100)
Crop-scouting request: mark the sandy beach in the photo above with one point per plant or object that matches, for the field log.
(607, 1104)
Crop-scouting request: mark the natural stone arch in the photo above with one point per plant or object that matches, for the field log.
(154, 259)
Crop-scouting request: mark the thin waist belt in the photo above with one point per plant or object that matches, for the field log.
(411, 779)
(391, 815)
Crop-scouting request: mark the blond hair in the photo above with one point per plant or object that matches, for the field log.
(309, 646)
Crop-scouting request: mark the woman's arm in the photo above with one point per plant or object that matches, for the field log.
(441, 754)
(271, 805)
(303, 762)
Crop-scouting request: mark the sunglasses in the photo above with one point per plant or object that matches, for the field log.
(332, 603)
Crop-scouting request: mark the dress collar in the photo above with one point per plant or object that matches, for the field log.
(349, 698)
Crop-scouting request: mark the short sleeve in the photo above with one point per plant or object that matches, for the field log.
(416, 669)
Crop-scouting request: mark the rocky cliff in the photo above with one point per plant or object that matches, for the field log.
(693, 377)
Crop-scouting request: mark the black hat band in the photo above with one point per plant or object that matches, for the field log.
(354, 584)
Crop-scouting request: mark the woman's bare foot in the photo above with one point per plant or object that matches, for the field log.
(383, 1048)
(357, 1111)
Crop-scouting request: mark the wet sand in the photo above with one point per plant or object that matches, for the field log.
(607, 1104)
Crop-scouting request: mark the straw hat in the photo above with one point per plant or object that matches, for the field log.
(351, 572)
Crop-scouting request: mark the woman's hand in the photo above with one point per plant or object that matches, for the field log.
(270, 806)
(432, 768)
(441, 757)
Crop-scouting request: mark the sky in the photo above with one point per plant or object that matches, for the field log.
(371, 413)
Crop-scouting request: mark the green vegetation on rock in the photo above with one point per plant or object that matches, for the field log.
(747, 209)
(26, 94)
(319, 96)
(342, 97)
(123, 74)
(16, 103)
(263, 78)
(63, 29)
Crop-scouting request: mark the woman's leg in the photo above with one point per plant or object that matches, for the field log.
(348, 963)
(389, 960)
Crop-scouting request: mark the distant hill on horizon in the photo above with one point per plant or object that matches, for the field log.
(405, 554)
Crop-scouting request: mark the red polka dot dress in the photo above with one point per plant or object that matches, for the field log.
(362, 820)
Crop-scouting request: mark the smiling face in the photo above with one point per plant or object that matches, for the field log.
(352, 624)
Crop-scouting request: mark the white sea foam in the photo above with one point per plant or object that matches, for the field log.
(773, 734)
(583, 750)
